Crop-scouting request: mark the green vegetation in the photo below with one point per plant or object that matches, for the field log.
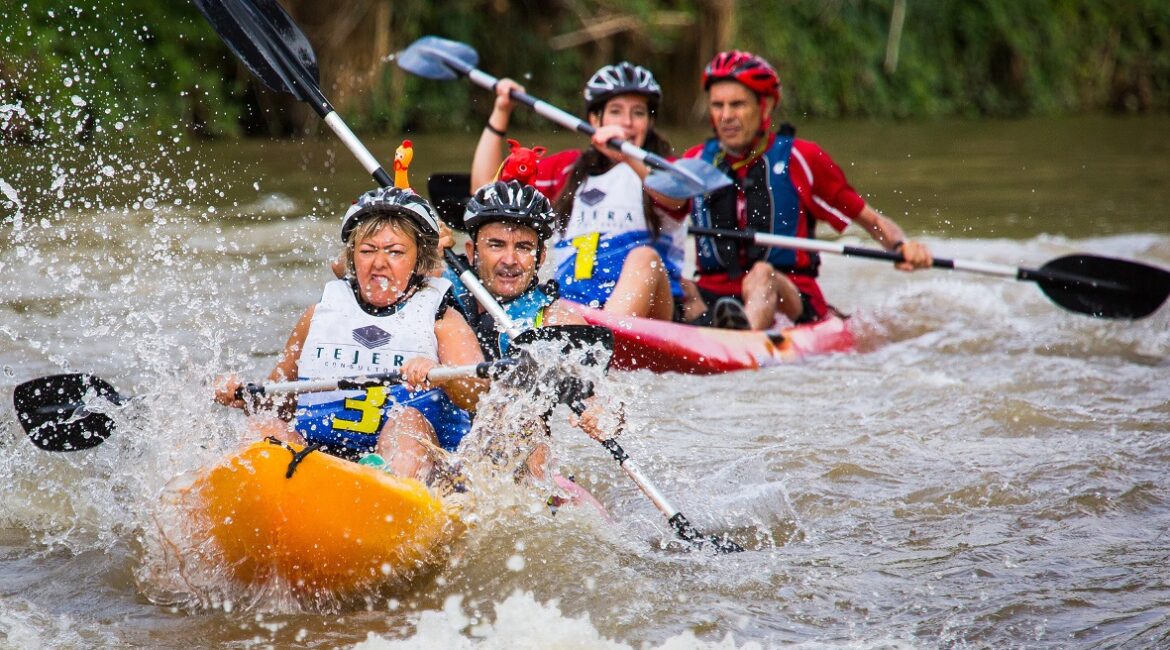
(93, 67)
(157, 67)
(986, 57)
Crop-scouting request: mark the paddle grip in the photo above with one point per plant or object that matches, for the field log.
(382, 178)
(872, 253)
(615, 450)
(684, 528)
(249, 390)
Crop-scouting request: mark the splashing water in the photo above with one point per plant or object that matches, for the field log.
(511, 422)
(520, 621)
(17, 207)
(987, 472)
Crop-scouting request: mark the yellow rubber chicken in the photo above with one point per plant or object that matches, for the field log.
(402, 157)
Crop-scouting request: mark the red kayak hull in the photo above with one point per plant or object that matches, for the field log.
(662, 346)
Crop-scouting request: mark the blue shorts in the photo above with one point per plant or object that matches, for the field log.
(353, 424)
(588, 277)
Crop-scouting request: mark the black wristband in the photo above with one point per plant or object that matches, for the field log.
(488, 125)
(897, 247)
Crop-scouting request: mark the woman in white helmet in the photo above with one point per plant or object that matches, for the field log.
(388, 313)
(619, 245)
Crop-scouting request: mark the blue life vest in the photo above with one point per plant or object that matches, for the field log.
(526, 311)
(775, 210)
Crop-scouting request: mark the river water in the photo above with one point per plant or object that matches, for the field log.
(987, 470)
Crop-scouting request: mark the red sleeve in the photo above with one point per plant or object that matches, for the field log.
(694, 151)
(828, 195)
(553, 172)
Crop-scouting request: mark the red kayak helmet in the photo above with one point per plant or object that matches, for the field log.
(751, 71)
(746, 68)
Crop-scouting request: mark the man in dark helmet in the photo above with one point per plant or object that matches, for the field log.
(509, 224)
(782, 185)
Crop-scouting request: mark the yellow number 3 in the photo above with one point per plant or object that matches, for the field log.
(369, 406)
(586, 246)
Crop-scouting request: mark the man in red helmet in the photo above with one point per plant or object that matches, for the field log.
(782, 185)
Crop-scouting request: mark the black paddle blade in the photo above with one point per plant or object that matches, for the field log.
(431, 57)
(266, 40)
(449, 194)
(52, 411)
(687, 532)
(575, 337)
(1103, 286)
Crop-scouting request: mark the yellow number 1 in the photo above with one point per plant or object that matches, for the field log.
(586, 246)
(369, 406)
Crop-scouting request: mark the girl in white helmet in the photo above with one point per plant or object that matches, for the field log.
(619, 245)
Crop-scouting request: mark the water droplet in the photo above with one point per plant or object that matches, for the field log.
(77, 101)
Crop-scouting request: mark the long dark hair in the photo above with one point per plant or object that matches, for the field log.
(594, 163)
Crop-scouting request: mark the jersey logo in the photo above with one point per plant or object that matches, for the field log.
(371, 336)
(592, 196)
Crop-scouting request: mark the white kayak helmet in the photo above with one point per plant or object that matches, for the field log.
(391, 200)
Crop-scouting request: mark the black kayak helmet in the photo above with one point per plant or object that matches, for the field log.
(510, 201)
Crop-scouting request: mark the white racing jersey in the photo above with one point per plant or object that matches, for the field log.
(607, 221)
(344, 341)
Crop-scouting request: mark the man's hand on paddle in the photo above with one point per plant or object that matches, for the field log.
(226, 387)
(917, 256)
(599, 420)
(887, 233)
